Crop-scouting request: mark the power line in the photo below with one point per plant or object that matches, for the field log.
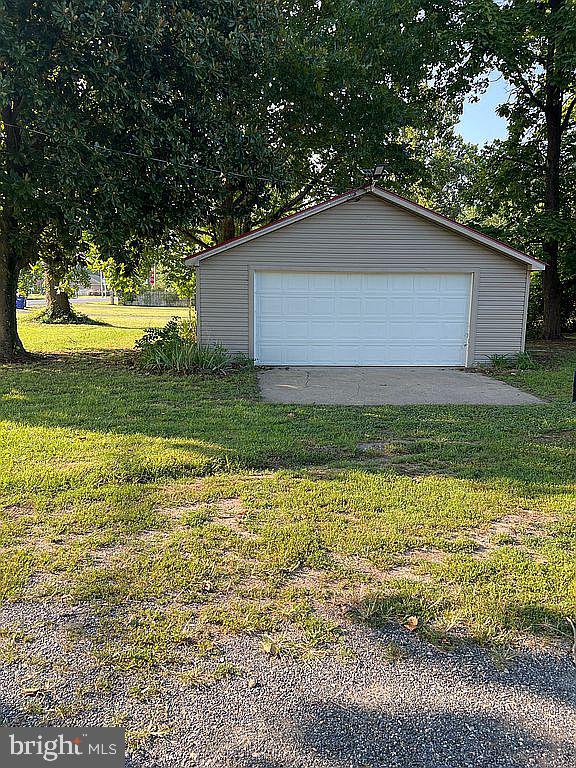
(195, 166)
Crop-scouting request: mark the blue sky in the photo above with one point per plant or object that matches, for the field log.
(480, 123)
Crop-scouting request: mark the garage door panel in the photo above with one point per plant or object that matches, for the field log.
(349, 331)
(375, 331)
(325, 354)
(267, 305)
(322, 329)
(455, 305)
(375, 284)
(322, 282)
(399, 306)
(399, 329)
(455, 282)
(349, 283)
(429, 331)
(324, 306)
(292, 306)
(375, 306)
(451, 331)
(429, 306)
(360, 318)
(349, 305)
(403, 283)
(287, 330)
(426, 283)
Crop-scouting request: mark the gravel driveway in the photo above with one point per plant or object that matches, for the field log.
(371, 707)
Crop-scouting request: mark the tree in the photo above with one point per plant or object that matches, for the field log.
(108, 112)
(345, 88)
(448, 182)
(176, 274)
(505, 193)
(533, 44)
(61, 258)
(166, 257)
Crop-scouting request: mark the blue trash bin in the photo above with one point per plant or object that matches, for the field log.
(20, 302)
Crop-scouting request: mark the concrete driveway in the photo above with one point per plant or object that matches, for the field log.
(386, 386)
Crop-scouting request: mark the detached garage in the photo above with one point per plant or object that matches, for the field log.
(369, 279)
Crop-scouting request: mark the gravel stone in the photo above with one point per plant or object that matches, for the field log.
(427, 708)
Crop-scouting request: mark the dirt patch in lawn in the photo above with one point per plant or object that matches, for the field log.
(510, 529)
(403, 570)
(16, 511)
(381, 453)
(108, 555)
(308, 578)
(177, 513)
(231, 514)
(360, 565)
(415, 558)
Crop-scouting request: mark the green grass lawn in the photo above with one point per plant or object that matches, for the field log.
(118, 327)
(192, 508)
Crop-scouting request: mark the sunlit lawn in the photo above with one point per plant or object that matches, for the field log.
(119, 327)
(190, 502)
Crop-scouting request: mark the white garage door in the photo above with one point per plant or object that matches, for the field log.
(318, 318)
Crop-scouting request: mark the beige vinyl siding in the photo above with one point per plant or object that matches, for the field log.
(365, 235)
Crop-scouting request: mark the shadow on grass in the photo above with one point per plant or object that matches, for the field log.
(430, 601)
(485, 443)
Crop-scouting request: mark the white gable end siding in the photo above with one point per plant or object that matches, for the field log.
(365, 235)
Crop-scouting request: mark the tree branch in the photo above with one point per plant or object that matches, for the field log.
(293, 202)
(300, 197)
(529, 92)
(195, 239)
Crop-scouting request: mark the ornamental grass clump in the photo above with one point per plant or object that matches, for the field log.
(175, 348)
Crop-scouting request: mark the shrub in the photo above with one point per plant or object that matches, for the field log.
(174, 348)
(521, 361)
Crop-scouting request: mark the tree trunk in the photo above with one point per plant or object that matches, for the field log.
(552, 295)
(11, 348)
(227, 228)
(58, 307)
(227, 224)
(552, 290)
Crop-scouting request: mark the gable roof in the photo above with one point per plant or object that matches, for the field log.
(389, 197)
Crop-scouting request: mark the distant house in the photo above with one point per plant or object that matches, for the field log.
(367, 278)
(96, 287)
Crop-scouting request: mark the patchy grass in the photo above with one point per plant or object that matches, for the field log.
(179, 509)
